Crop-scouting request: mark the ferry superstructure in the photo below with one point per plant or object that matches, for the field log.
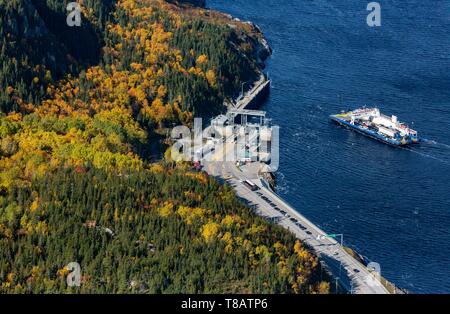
(372, 123)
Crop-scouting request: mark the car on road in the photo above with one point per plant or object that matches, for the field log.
(308, 232)
(293, 219)
(356, 270)
(249, 184)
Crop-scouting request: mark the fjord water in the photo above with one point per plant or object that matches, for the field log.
(392, 205)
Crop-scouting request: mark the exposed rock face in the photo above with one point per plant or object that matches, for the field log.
(263, 48)
(259, 43)
(266, 174)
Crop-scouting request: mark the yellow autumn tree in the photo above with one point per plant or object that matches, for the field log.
(209, 231)
(202, 59)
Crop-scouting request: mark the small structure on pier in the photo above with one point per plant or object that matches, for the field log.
(246, 117)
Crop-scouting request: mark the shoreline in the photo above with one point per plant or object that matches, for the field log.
(262, 42)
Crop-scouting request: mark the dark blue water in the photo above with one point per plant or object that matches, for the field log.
(393, 205)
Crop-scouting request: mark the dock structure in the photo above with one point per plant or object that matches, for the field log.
(248, 130)
(348, 273)
(246, 117)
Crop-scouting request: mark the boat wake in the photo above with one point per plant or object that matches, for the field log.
(429, 155)
(435, 143)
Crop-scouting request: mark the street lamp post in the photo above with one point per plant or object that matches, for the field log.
(242, 88)
(321, 270)
(342, 246)
(242, 93)
(334, 236)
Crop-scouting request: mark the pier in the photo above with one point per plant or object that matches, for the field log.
(252, 98)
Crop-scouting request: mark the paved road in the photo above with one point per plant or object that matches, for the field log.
(351, 274)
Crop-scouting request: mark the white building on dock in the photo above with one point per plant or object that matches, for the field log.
(248, 130)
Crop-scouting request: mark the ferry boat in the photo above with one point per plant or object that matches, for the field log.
(372, 123)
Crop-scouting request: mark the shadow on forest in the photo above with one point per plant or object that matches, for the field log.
(83, 43)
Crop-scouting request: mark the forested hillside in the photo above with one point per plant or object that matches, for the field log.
(82, 110)
(38, 47)
(164, 231)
